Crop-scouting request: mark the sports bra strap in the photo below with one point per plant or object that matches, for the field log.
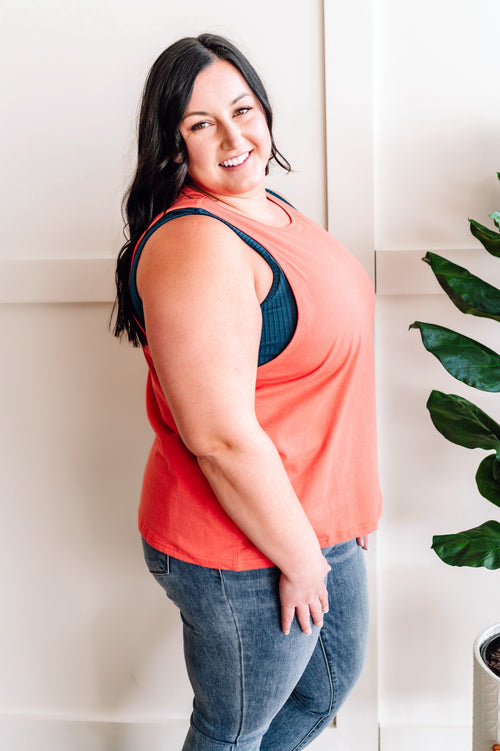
(136, 300)
(279, 309)
(277, 195)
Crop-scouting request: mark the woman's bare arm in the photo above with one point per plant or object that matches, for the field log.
(198, 287)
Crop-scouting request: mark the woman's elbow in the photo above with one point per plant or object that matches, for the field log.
(212, 447)
(208, 445)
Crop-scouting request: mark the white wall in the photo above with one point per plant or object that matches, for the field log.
(437, 152)
(90, 650)
(436, 120)
(74, 71)
(85, 634)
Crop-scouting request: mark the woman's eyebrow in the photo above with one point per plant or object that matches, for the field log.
(241, 96)
(199, 113)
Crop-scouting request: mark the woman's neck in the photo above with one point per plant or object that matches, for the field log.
(255, 206)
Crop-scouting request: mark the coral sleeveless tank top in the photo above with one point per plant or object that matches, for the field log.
(315, 400)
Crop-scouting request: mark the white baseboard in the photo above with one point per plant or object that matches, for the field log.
(28, 733)
(428, 737)
(39, 733)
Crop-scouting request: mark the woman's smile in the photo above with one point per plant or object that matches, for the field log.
(236, 161)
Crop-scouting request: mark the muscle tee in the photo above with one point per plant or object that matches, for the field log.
(315, 400)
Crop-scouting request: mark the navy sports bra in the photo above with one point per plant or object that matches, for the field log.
(279, 309)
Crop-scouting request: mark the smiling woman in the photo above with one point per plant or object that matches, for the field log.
(226, 134)
(256, 326)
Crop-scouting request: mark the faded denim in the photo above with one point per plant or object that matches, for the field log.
(256, 689)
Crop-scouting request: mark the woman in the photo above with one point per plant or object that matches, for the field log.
(256, 326)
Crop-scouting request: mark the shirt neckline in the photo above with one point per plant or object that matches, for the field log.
(187, 190)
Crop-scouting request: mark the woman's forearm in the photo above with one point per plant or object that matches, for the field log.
(250, 482)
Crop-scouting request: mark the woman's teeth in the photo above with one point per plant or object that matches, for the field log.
(237, 160)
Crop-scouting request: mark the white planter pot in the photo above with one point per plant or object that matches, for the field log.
(486, 716)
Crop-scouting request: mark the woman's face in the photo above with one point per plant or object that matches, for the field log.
(226, 135)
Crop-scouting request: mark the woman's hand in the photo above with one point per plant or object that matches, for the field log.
(363, 542)
(305, 596)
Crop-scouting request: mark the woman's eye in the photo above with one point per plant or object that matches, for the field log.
(199, 126)
(242, 110)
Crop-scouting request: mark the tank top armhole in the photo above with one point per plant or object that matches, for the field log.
(134, 292)
(279, 308)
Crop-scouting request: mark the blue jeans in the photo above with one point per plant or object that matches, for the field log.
(256, 689)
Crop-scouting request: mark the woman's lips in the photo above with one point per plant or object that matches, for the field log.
(236, 161)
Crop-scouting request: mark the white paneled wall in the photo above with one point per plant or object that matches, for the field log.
(90, 649)
(436, 156)
(388, 113)
(436, 120)
(73, 74)
(428, 613)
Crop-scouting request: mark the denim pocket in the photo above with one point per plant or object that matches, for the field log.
(156, 561)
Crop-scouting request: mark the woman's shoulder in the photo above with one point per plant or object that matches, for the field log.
(191, 217)
(190, 258)
(190, 245)
(196, 230)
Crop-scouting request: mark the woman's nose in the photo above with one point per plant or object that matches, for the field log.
(231, 136)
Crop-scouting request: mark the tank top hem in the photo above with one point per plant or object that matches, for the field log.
(253, 559)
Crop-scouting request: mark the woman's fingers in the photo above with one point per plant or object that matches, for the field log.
(287, 616)
(323, 598)
(316, 614)
(305, 597)
(362, 542)
(305, 614)
(304, 618)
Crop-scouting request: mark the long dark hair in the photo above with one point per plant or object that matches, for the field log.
(161, 154)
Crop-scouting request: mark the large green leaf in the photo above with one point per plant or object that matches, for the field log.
(475, 547)
(488, 479)
(462, 422)
(487, 237)
(464, 358)
(468, 292)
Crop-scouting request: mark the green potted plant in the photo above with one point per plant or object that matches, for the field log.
(465, 424)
